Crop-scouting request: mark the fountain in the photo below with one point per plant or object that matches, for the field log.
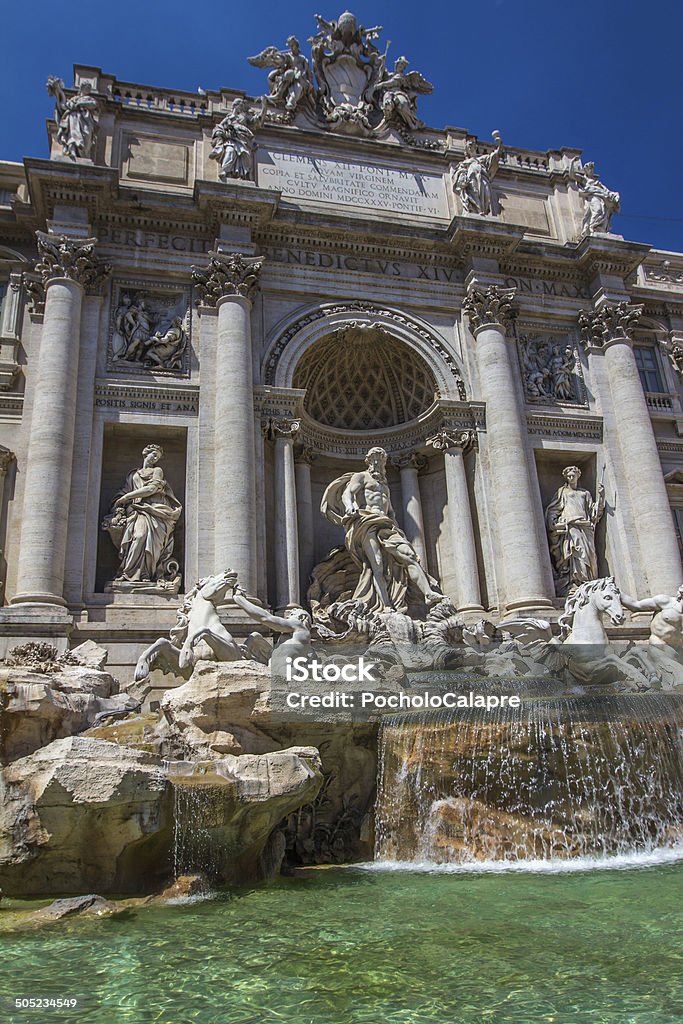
(555, 778)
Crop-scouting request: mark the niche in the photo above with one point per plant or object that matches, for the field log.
(550, 465)
(121, 455)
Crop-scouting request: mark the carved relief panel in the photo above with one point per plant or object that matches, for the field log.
(551, 369)
(150, 329)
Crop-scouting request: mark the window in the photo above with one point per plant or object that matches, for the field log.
(648, 368)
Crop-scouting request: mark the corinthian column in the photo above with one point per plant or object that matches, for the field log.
(609, 330)
(284, 432)
(453, 446)
(409, 467)
(66, 267)
(228, 284)
(304, 501)
(523, 576)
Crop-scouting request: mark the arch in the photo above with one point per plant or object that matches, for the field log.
(11, 256)
(291, 338)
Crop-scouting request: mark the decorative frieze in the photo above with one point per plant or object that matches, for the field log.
(156, 399)
(597, 327)
(580, 428)
(227, 274)
(490, 307)
(61, 256)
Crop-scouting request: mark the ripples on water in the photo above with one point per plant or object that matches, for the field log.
(349, 946)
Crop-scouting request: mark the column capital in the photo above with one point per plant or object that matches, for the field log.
(410, 460)
(305, 454)
(611, 322)
(489, 307)
(447, 440)
(62, 256)
(227, 274)
(284, 427)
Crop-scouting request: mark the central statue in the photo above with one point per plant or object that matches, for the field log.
(361, 503)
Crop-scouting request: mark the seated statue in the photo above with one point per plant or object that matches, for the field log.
(361, 503)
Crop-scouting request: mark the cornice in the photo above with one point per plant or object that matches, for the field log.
(61, 182)
(240, 203)
(472, 235)
(609, 254)
(584, 428)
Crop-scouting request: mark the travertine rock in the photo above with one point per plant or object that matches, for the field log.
(82, 815)
(219, 711)
(36, 708)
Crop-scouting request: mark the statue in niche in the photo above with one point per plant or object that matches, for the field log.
(361, 503)
(147, 337)
(141, 525)
(473, 175)
(399, 95)
(291, 81)
(600, 204)
(76, 118)
(234, 143)
(571, 519)
(548, 370)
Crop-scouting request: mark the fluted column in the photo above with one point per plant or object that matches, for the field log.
(453, 445)
(523, 577)
(609, 329)
(284, 432)
(66, 267)
(409, 467)
(303, 457)
(229, 283)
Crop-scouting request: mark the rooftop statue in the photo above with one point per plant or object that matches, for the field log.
(291, 81)
(473, 175)
(76, 119)
(234, 143)
(347, 68)
(361, 503)
(399, 91)
(600, 204)
(571, 519)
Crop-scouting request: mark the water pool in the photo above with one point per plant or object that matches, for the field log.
(374, 946)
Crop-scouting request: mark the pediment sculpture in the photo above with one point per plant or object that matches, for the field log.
(346, 86)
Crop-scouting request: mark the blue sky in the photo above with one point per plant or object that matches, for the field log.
(601, 76)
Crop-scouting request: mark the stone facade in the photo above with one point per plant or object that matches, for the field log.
(267, 288)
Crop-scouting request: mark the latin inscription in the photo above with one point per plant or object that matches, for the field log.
(352, 184)
(564, 289)
(152, 240)
(367, 265)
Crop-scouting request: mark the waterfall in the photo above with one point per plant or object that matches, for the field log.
(559, 778)
(198, 809)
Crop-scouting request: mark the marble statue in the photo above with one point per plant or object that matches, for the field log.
(198, 621)
(548, 370)
(666, 627)
(76, 119)
(135, 339)
(361, 503)
(347, 67)
(571, 519)
(141, 526)
(600, 204)
(234, 143)
(399, 95)
(291, 80)
(473, 175)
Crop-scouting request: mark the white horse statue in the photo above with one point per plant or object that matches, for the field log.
(592, 658)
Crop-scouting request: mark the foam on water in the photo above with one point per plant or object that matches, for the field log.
(557, 866)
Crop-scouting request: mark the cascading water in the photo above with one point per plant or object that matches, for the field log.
(199, 809)
(563, 778)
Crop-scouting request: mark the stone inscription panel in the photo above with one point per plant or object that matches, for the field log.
(347, 183)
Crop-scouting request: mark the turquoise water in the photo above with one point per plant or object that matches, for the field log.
(355, 946)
